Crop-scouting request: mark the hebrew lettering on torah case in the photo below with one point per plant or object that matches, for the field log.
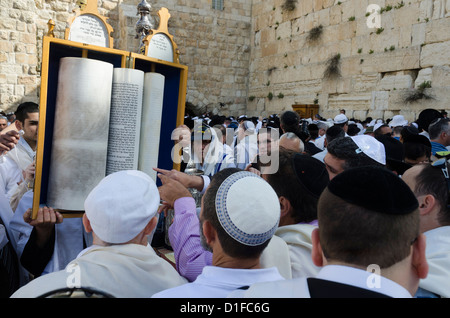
(101, 110)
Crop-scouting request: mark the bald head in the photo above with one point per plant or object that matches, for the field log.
(292, 142)
(410, 175)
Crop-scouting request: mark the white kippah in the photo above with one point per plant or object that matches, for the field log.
(371, 147)
(248, 208)
(340, 119)
(121, 205)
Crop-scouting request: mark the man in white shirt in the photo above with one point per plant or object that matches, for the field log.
(368, 241)
(19, 159)
(430, 185)
(235, 233)
(120, 212)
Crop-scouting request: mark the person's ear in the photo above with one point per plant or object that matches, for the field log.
(18, 124)
(316, 254)
(86, 224)
(151, 225)
(210, 233)
(419, 259)
(285, 206)
(426, 204)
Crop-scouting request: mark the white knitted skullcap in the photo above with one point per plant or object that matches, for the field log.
(248, 208)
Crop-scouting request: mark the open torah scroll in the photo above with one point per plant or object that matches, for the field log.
(106, 119)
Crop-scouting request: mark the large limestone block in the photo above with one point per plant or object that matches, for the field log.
(437, 31)
(435, 54)
(441, 76)
(424, 75)
(418, 34)
(366, 82)
(397, 60)
(359, 102)
(375, 114)
(379, 100)
(391, 82)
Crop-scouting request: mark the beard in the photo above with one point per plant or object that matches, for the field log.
(205, 245)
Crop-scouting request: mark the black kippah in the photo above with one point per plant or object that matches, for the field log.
(311, 173)
(374, 188)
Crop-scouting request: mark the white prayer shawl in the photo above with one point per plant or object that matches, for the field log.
(12, 165)
(22, 154)
(123, 271)
(246, 151)
(216, 158)
(298, 240)
(219, 282)
(438, 258)
(319, 142)
(276, 254)
(69, 236)
(7, 214)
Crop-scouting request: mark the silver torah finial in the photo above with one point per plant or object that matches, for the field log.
(144, 24)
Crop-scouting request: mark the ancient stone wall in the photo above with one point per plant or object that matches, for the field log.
(22, 26)
(398, 67)
(214, 44)
(256, 56)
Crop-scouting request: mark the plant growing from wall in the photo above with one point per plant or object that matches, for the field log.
(280, 95)
(270, 96)
(315, 34)
(333, 67)
(419, 93)
(289, 5)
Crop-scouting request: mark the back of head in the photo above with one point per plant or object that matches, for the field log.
(121, 205)
(334, 132)
(395, 154)
(438, 126)
(340, 120)
(244, 210)
(426, 117)
(289, 121)
(417, 146)
(292, 142)
(300, 179)
(313, 131)
(353, 130)
(367, 215)
(431, 180)
(357, 151)
(25, 108)
(408, 132)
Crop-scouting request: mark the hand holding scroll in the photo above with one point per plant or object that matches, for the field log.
(8, 141)
(44, 223)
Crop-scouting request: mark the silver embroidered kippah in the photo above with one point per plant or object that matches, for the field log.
(248, 208)
(371, 147)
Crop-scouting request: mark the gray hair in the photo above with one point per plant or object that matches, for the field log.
(292, 136)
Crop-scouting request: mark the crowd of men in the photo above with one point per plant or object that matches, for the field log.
(290, 207)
